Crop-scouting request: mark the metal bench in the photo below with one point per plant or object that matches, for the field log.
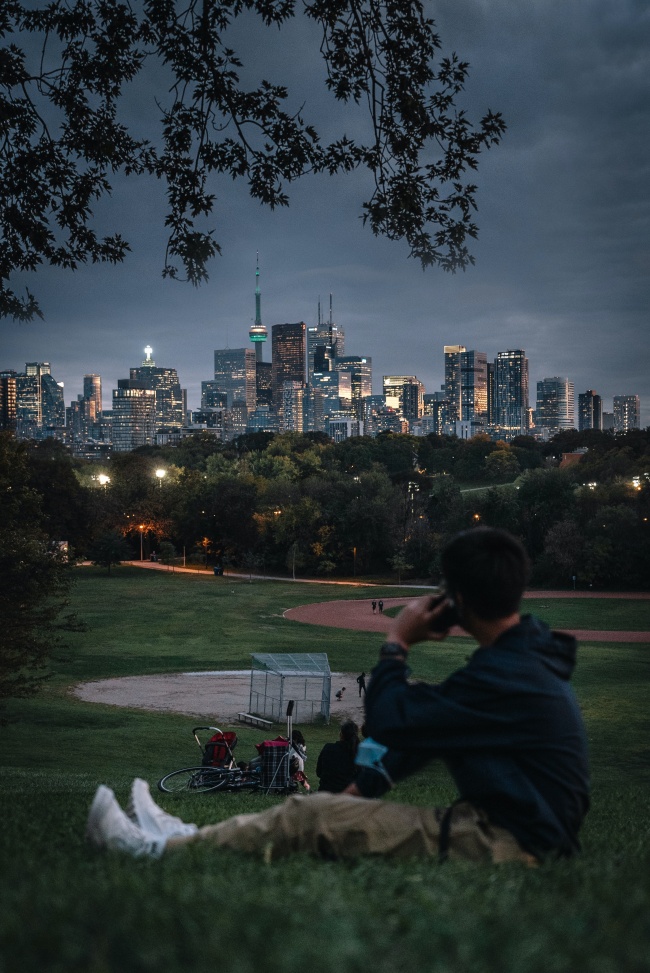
(254, 720)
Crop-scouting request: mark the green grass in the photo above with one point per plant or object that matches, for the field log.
(65, 909)
(587, 614)
(592, 614)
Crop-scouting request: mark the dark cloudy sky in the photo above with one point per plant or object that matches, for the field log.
(562, 263)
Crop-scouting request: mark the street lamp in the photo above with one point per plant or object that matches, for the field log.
(141, 529)
(161, 474)
(103, 480)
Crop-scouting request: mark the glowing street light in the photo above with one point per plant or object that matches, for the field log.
(103, 480)
(161, 474)
(141, 529)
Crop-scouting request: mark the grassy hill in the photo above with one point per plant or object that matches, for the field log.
(65, 908)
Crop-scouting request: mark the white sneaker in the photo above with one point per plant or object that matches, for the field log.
(109, 827)
(150, 817)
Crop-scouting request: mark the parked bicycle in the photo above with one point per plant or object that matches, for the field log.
(219, 772)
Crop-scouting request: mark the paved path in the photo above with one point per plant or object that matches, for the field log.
(358, 615)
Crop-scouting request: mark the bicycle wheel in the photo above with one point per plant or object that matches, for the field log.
(194, 780)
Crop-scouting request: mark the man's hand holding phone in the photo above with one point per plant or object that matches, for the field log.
(423, 619)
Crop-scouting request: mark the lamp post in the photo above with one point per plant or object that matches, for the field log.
(141, 529)
(161, 474)
(103, 480)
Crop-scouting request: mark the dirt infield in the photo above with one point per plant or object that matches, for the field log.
(357, 614)
(210, 697)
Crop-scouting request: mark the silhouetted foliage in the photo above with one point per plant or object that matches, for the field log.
(303, 501)
(36, 577)
(110, 548)
(72, 69)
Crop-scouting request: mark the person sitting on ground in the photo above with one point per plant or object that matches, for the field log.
(506, 724)
(298, 757)
(335, 765)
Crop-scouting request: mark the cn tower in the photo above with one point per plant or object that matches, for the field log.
(258, 333)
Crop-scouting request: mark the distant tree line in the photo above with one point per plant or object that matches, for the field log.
(301, 504)
(386, 506)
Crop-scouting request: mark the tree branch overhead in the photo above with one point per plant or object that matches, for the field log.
(65, 135)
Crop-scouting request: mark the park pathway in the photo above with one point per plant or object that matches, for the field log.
(357, 614)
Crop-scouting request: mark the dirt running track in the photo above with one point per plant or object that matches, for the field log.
(358, 615)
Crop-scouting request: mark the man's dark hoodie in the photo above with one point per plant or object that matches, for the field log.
(508, 727)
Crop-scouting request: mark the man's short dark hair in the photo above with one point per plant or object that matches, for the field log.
(489, 568)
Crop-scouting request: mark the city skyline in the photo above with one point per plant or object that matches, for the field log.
(377, 378)
(564, 223)
(478, 394)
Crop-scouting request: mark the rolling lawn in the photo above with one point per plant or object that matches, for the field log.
(65, 908)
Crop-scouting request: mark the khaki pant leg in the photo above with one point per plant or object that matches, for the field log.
(341, 826)
(330, 825)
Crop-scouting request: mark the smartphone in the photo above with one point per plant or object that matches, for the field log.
(448, 617)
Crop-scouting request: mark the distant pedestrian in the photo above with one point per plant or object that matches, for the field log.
(339, 695)
(381, 607)
(374, 607)
(361, 682)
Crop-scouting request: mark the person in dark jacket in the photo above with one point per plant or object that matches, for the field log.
(335, 766)
(506, 724)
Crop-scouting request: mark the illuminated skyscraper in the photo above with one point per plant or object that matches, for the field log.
(360, 371)
(453, 387)
(288, 357)
(627, 413)
(413, 400)
(325, 343)
(329, 394)
(212, 396)
(264, 382)
(465, 388)
(555, 405)
(52, 404)
(291, 408)
(258, 333)
(404, 394)
(8, 399)
(169, 395)
(134, 416)
(473, 387)
(511, 394)
(39, 401)
(29, 403)
(93, 391)
(234, 374)
(590, 411)
(436, 406)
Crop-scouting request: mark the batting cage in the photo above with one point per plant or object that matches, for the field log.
(277, 677)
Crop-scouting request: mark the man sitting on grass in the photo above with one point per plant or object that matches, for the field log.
(506, 725)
